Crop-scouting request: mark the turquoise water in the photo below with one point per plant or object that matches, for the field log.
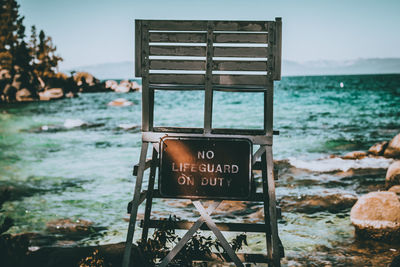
(85, 172)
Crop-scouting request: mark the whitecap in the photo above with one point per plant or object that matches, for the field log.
(338, 164)
(73, 123)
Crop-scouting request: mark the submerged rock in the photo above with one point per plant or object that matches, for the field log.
(393, 148)
(393, 174)
(333, 203)
(355, 155)
(378, 149)
(376, 215)
(72, 228)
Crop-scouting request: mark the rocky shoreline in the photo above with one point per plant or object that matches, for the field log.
(374, 211)
(25, 86)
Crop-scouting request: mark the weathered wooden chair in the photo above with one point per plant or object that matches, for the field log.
(234, 56)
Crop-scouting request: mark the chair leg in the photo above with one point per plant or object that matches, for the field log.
(135, 205)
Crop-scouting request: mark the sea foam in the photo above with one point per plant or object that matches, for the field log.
(338, 164)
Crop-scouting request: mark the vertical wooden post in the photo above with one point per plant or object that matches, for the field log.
(149, 196)
(267, 217)
(135, 205)
(208, 98)
(272, 207)
(147, 93)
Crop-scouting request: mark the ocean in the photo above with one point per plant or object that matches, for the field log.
(76, 156)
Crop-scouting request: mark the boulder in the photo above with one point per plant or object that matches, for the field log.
(378, 149)
(393, 148)
(376, 215)
(24, 95)
(355, 155)
(53, 93)
(393, 174)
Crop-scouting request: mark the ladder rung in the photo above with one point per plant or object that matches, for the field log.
(231, 227)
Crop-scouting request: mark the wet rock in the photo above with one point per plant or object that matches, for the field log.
(355, 155)
(120, 102)
(50, 94)
(333, 203)
(376, 215)
(13, 249)
(72, 228)
(378, 149)
(393, 174)
(393, 148)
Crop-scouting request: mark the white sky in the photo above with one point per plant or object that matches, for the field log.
(90, 32)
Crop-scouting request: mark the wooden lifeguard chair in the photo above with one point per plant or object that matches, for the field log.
(232, 56)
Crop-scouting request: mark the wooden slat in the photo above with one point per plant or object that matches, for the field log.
(244, 257)
(201, 25)
(177, 37)
(239, 79)
(177, 78)
(177, 65)
(241, 26)
(177, 87)
(177, 130)
(231, 227)
(177, 50)
(240, 65)
(256, 38)
(259, 52)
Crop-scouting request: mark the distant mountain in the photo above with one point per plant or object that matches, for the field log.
(125, 69)
(331, 67)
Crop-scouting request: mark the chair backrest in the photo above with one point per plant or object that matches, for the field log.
(239, 56)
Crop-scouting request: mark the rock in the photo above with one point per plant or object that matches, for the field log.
(111, 84)
(24, 95)
(120, 102)
(71, 228)
(378, 149)
(376, 215)
(128, 126)
(355, 155)
(123, 87)
(393, 174)
(395, 189)
(393, 148)
(333, 203)
(53, 93)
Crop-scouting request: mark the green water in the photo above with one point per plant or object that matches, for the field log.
(85, 172)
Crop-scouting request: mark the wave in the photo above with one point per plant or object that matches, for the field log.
(338, 164)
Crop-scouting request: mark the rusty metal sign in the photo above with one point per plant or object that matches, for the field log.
(212, 168)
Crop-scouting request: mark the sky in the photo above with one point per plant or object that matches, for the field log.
(89, 32)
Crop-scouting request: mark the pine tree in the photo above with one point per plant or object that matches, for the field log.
(21, 52)
(47, 60)
(8, 31)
